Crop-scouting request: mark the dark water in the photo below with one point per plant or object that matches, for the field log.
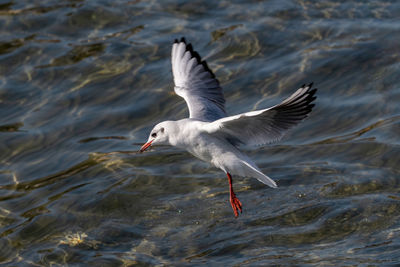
(82, 83)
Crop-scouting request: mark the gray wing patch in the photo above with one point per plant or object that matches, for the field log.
(268, 125)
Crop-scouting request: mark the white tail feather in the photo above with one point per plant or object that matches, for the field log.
(260, 176)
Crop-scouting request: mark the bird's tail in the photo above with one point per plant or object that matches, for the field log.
(256, 173)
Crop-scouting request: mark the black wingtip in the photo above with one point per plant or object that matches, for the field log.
(183, 40)
(205, 66)
(189, 47)
(196, 55)
(311, 96)
(312, 92)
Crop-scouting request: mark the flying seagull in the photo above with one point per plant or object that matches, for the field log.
(210, 134)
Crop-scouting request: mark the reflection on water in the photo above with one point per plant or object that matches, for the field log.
(82, 82)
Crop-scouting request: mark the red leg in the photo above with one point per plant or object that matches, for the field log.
(235, 202)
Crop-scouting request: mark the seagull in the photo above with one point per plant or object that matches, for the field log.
(210, 134)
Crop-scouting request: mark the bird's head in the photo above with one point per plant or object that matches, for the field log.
(158, 136)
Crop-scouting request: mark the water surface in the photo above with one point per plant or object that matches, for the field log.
(83, 82)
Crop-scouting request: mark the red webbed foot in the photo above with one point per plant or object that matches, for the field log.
(235, 202)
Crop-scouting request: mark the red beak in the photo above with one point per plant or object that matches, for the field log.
(146, 146)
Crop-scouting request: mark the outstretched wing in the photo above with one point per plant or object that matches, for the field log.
(196, 83)
(267, 125)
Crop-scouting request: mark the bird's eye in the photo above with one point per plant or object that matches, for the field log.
(153, 135)
(162, 130)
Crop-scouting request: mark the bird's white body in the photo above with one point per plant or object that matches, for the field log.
(192, 135)
(209, 134)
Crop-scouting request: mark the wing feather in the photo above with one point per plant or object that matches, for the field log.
(195, 82)
(267, 125)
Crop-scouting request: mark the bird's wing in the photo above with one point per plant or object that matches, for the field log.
(267, 125)
(196, 83)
